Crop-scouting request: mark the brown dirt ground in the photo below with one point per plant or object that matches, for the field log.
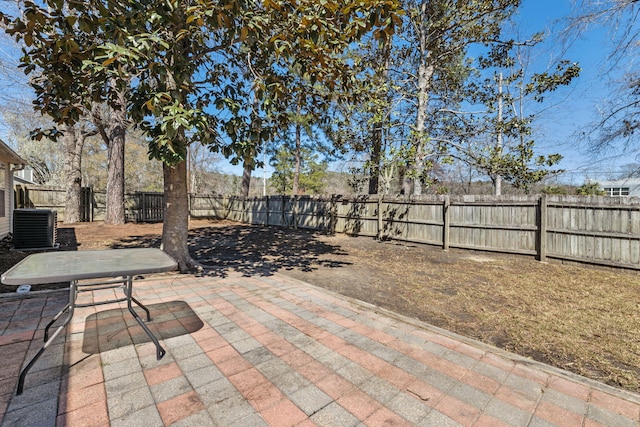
(576, 318)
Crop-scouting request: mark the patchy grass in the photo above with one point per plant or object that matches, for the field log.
(580, 319)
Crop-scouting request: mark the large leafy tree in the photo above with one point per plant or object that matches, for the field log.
(410, 85)
(177, 52)
(424, 88)
(437, 34)
(498, 139)
(180, 43)
(58, 37)
(365, 123)
(299, 169)
(297, 90)
(49, 57)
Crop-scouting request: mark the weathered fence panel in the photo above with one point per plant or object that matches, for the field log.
(310, 213)
(54, 198)
(277, 209)
(42, 197)
(149, 207)
(598, 230)
(86, 204)
(494, 225)
(357, 216)
(202, 206)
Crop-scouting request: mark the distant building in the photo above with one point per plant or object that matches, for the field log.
(621, 187)
(10, 162)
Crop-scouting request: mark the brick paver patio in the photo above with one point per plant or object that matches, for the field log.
(251, 351)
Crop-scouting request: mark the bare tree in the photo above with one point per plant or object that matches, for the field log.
(618, 119)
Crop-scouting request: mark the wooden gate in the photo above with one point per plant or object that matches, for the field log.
(149, 207)
(86, 204)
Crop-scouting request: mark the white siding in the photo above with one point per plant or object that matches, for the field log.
(621, 187)
(5, 221)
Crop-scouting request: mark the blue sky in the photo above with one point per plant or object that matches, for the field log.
(575, 108)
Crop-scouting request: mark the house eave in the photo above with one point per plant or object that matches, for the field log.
(10, 156)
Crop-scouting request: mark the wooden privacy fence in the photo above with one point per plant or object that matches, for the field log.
(139, 206)
(148, 207)
(594, 230)
(283, 211)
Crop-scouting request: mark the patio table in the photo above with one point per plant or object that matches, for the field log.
(116, 268)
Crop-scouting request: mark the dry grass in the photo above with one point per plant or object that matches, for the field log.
(577, 318)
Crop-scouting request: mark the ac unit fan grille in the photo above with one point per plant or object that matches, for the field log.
(34, 228)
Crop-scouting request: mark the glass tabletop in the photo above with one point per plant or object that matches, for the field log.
(65, 266)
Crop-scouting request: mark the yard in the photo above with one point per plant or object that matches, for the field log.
(580, 319)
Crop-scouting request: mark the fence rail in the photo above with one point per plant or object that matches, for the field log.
(594, 230)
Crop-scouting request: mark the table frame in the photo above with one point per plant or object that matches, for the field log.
(126, 284)
(110, 276)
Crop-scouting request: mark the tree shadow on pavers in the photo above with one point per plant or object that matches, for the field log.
(259, 250)
(111, 329)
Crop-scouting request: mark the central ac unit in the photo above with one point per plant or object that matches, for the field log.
(34, 229)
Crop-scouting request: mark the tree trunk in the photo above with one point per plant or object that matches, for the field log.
(115, 213)
(73, 144)
(296, 171)
(246, 176)
(498, 178)
(378, 128)
(249, 159)
(113, 130)
(425, 74)
(405, 182)
(426, 71)
(374, 167)
(175, 228)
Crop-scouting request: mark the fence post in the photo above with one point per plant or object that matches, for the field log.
(143, 207)
(446, 221)
(227, 200)
(91, 203)
(380, 235)
(333, 214)
(19, 197)
(542, 228)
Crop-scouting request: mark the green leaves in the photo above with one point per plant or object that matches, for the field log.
(170, 57)
(518, 164)
(545, 82)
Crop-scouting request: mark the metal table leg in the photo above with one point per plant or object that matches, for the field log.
(56, 317)
(160, 352)
(70, 308)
